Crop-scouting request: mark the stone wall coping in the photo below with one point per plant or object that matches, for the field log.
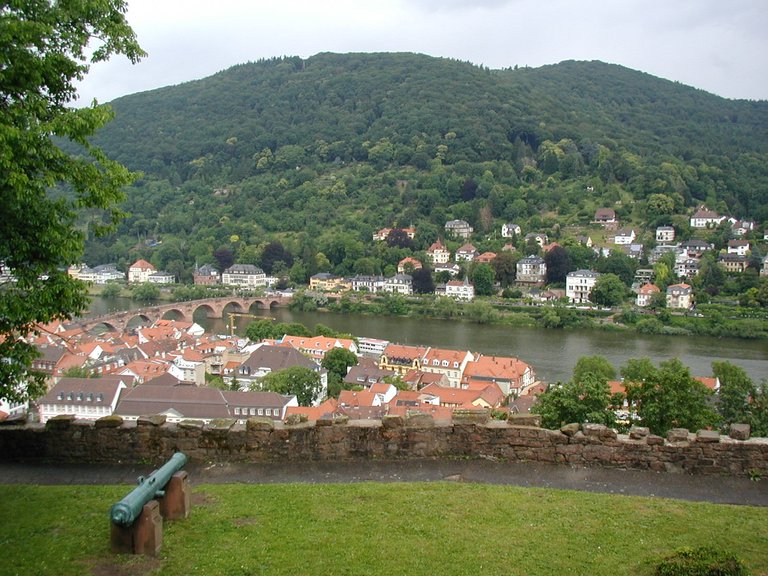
(416, 436)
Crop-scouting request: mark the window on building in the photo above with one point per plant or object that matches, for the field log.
(261, 411)
(237, 411)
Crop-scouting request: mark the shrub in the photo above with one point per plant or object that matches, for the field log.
(702, 561)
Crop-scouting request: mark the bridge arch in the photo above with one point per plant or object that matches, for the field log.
(174, 314)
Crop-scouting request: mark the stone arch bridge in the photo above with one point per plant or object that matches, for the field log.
(183, 311)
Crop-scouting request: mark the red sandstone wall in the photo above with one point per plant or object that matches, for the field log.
(469, 436)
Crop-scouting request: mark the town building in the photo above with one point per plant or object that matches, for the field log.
(579, 284)
(244, 276)
(460, 290)
(531, 270)
(399, 284)
(665, 234)
(206, 275)
(467, 253)
(509, 230)
(645, 294)
(438, 253)
(679, 296)
(704, 218)
(140, 271)
(372, 284)
(85, 398)
(458, 228)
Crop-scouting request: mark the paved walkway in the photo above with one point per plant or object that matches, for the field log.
(718, 489)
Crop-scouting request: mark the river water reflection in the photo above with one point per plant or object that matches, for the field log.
(552, 353)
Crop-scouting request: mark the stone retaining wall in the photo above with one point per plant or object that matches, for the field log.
(151, 439)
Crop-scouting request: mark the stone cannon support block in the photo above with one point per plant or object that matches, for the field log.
(176, 502)
(144, 536)
(254, 424)
(638, 432)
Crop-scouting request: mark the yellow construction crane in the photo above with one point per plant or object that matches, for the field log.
(242, 314)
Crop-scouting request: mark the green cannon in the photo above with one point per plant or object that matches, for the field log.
(125, 512)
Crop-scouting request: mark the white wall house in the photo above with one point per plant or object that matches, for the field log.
(85, 398)
(140, 271)
(508, 230)
(579, 284)
(460, 290)
(244, 276)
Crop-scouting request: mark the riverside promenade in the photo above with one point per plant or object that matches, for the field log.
(715, 489)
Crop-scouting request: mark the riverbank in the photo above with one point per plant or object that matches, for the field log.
(713, 320)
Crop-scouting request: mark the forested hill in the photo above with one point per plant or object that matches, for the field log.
(346, 100)
(292, 149)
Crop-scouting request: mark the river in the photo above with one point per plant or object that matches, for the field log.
(552, 353)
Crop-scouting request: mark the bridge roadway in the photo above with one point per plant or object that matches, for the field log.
(183, 311)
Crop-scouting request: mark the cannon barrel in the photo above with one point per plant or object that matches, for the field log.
(125, 512)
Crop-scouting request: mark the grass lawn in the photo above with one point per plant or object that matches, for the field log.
(434, 529)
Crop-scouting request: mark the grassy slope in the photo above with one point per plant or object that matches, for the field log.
(436, 528)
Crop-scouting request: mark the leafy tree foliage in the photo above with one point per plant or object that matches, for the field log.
(43, 46)
(482, 278)
(668, 396)
(740, 400)
(505, 268)
(608, 290)
(398, 238)
(261, 330)
(296, 380)
(422, 281)
(145, 292)
(558, 264)
(224, 258)
(585, 401)
(275, 254)
(338, 361)
(597, 366)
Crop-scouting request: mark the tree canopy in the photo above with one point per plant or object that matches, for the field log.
(45, 191)
(297, 381)
(668, 397)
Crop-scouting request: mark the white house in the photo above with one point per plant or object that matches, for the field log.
(679, 296)
(531, 270)
(665, 234)
(466, 253)
(438, 253)
(452, 269)
(371, 284)
(645, 294)
(100, 274)
(399, 284)
(459, 228)
(704, 218)
(740, 247)
(508, 230)
(140, 271)
(161, 277)
(460, 290)
(579, 284)
(244, 276)
(624, 237)
(85, 398)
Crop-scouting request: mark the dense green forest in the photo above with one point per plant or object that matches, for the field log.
(317, 154)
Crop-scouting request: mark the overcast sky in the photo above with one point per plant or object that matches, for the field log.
(716, 45)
